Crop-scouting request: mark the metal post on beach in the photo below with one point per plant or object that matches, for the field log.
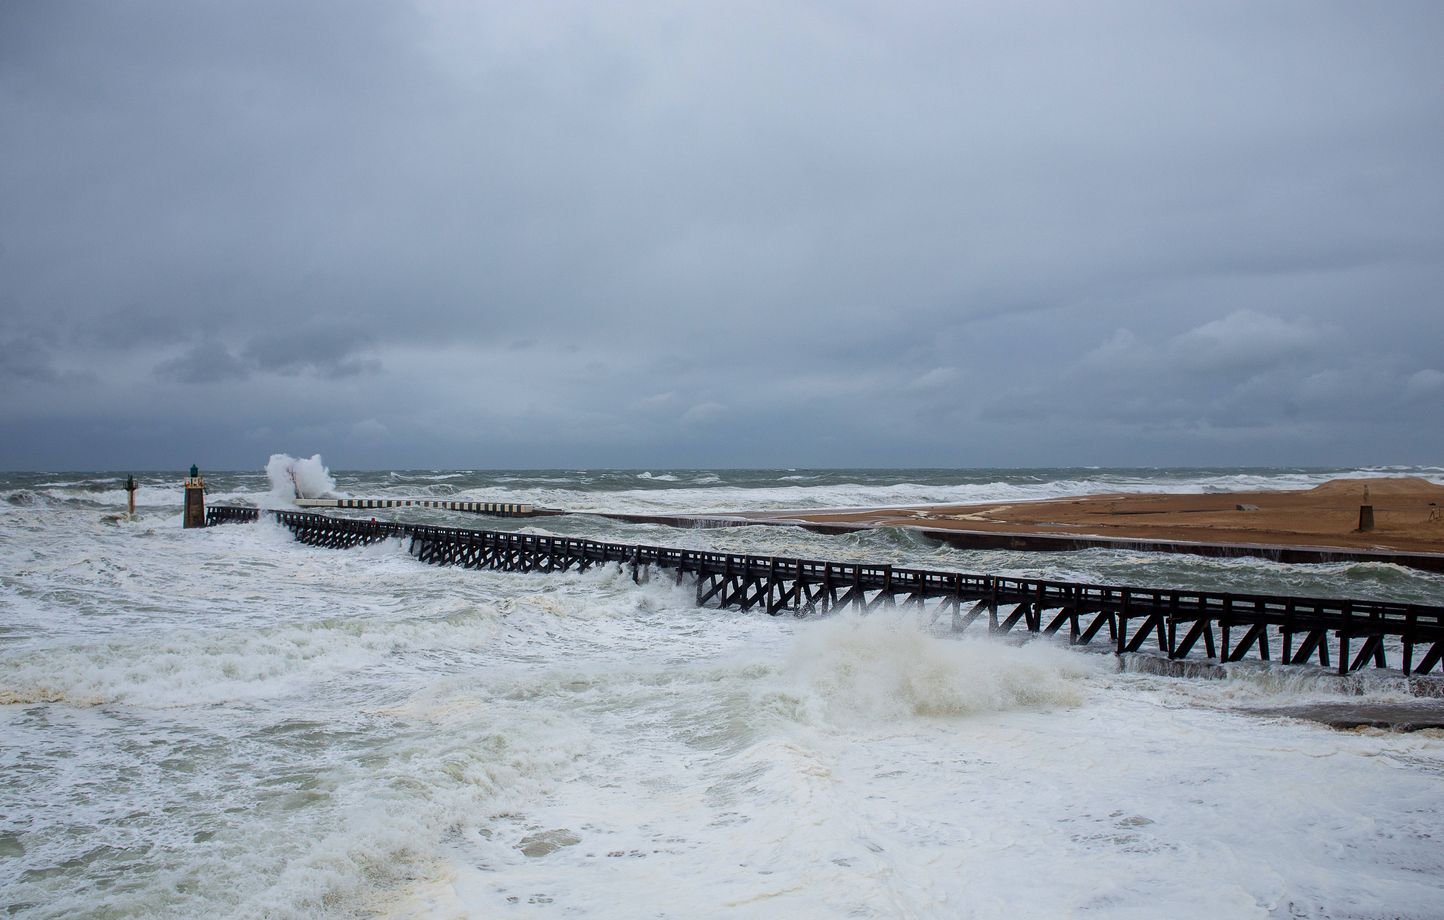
(1366, 513)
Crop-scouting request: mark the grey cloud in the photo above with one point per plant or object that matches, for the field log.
(934, 379)
(30, 361)
(370, 431)
(132, 327)
(1426, 382)
(1243, 340)
(204, 362)
(311, 352)
(703, 412)
(908, 233)
(26, 360)
(322, 352)
(1236, 372)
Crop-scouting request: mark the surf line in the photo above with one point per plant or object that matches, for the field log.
(1179, 621)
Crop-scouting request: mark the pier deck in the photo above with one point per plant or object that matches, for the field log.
(1226, 627)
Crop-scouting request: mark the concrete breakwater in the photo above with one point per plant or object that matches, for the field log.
(1349, 634)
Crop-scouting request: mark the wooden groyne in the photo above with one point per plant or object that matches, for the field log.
(1224, 626)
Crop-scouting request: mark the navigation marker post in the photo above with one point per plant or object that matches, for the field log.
(1366, 513)
(195, 510)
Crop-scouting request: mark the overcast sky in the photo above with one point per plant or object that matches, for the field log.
(534, 234)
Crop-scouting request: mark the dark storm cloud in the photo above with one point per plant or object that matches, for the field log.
(739, 234)
(25, 360)
(205, 362)
(326, 352)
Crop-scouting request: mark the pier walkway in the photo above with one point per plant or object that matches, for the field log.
(1225, 627)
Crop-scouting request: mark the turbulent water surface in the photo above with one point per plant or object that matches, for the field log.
(224, 723)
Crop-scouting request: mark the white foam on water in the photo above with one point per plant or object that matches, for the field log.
(226, 723)
(1026, 784)
(1261, 683)
(147, 495)
(883, 667)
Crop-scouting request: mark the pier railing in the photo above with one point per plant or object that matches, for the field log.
(1224, 626)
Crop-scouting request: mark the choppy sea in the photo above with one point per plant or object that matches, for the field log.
(223, 723)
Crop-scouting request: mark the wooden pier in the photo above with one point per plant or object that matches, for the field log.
(1225, 627)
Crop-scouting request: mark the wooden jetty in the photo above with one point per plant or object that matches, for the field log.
(1226, 627)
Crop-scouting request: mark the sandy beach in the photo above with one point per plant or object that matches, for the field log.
(1408, 516)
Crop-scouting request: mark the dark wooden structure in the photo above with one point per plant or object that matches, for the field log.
(1177, 622)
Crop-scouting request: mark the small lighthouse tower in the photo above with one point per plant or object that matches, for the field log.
(195, 513)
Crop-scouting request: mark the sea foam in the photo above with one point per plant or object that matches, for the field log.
(884, 666)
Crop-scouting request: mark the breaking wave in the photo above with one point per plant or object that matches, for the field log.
(885, 666)
(292, 478)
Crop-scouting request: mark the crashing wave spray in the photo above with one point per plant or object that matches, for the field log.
(292, 478)
(887, 667)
